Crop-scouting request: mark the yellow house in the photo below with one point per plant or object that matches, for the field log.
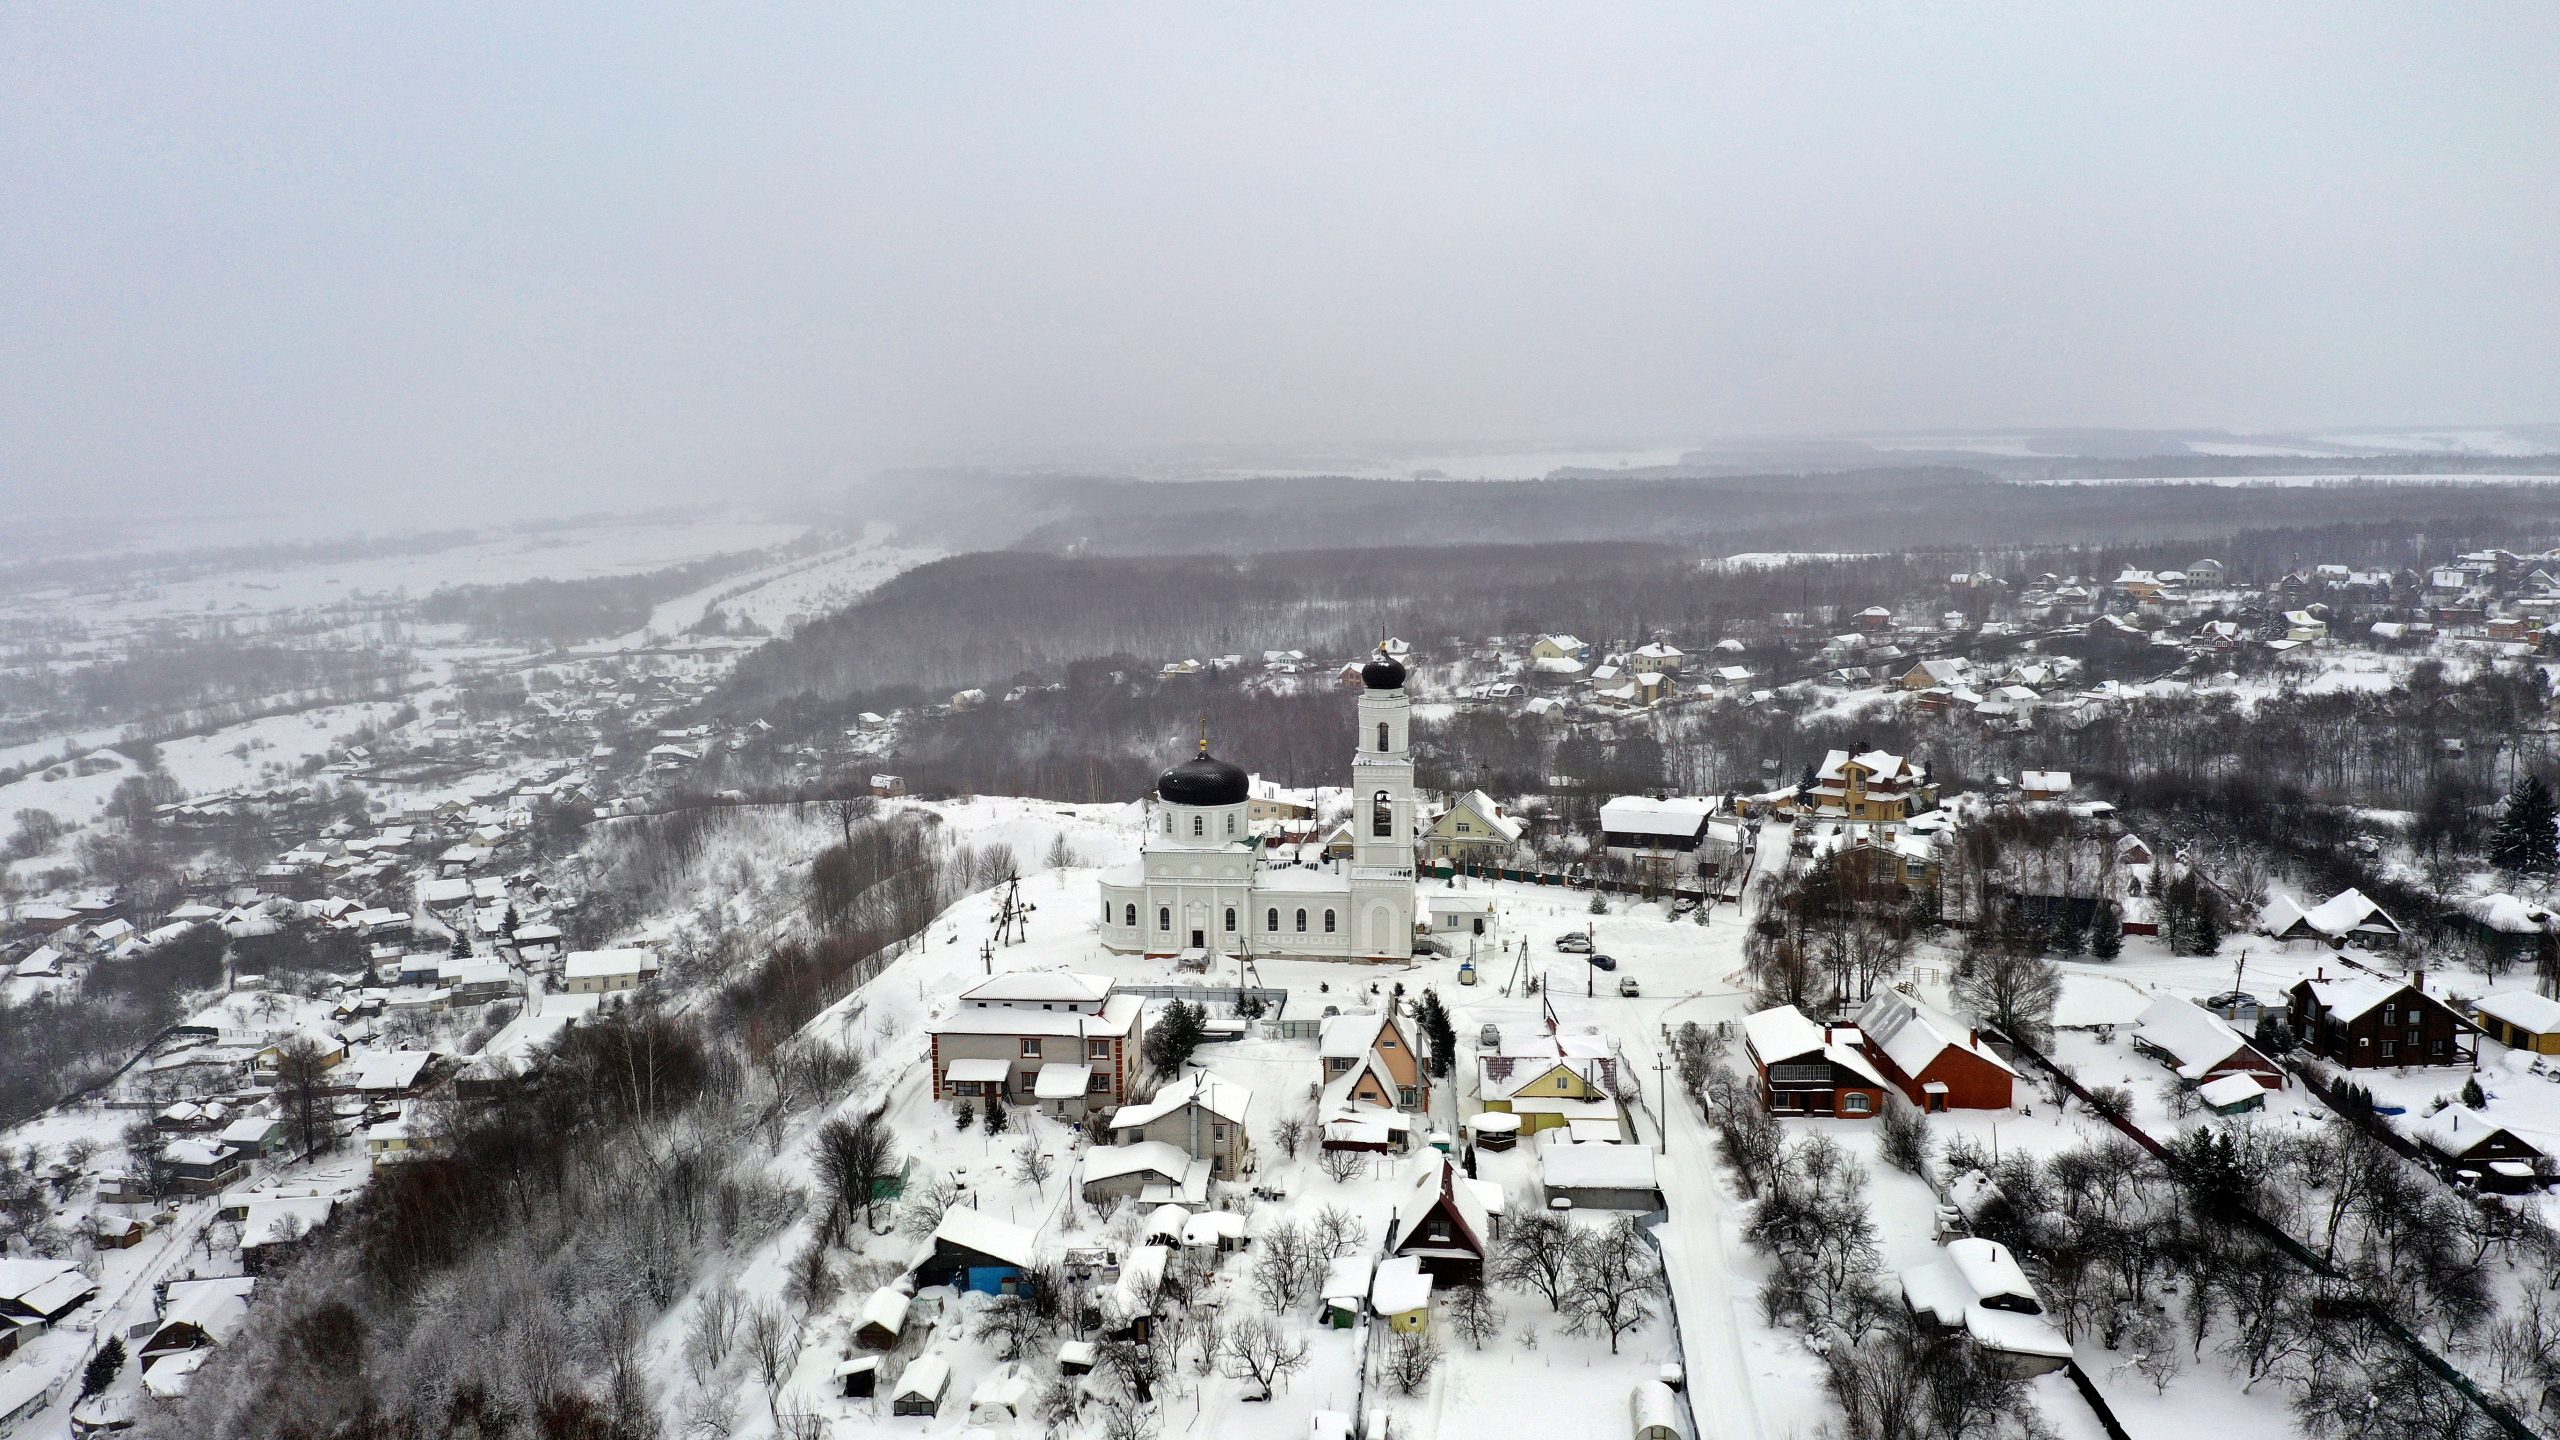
(1547, 1093)
(1655, 659)
(1557, 647)
(1472, 828)
(1401, 1294)
(2521, 1020)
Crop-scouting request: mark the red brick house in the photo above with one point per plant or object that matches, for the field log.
(1937, 1060)
(1806, 1068)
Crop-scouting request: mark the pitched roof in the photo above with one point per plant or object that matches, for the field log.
(977, 1230)
(1223, 1098)
(2523, 1009)
(1034, 987)
(1913, 1034)
(1434, 1182)
(2196, 1038)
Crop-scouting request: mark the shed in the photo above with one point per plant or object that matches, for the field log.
(972, 1250)
(1077, 1357)
(1402, 1293)
(1494, 1130)
(1599, 1177)
(884, 1319)
(921, 1388)
(1000, 1397)
(859, 1377)
(2232, 1094)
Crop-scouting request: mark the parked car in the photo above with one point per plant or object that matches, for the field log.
(1574, 942)
(1627, 986)
(1488, 1036)
(1603, 962)
(1428, 946)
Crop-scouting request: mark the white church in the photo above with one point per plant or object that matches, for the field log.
(1201, 882)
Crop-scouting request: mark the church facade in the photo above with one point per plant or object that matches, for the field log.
(1202, 883)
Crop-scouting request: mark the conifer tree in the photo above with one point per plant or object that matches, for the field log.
(2527, 840)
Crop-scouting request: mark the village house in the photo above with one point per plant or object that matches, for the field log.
(1445, 1221)
(46, 1291)
(1871, 788)
(2467, 1142)
(1657, 658)
(2200, 1045)
(1375, 1049)
(2520, 1020)
(1597, 1176)
(1934, 1059)
(1977, 1287)
(1804, 1068)
(607, 972)
(1658, 837)
(1199, 1114)
(1566, 1081)
(2044, 785)
(2367, 1022)
(2346, 918)
(1152, 1172)
(1473, 829)
(972, 1250)
(1064, 1041)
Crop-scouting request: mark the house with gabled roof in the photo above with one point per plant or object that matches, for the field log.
(1932, 1057)
(1474, 827)
(2346, 918)
(1370, 1041)
(2200, 1045)
(1062, 1040)
(2366, 1021)
(1443, 1221)
(1200, 1114)
(1805, 1068)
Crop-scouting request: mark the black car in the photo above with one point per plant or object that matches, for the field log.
(1603, 962)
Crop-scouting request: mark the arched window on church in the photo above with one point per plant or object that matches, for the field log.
(1302, 922)
(1129, 916)
(1231, 919)
(1164, 917)
(1196, 823)
(1382, 816)
(1271, 919)
(1328, 922)
(1382, 737)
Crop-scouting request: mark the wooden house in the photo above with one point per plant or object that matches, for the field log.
(2368, 1022)
(1443, 1222)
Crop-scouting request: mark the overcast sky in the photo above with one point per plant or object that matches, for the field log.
(512, 257)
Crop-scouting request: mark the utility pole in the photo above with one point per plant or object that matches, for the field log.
(1662, 1100)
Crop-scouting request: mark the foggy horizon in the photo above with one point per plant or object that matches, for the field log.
(442, 261)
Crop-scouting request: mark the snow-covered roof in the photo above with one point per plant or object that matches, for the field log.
(1912, 1034)
(1061, 1080)
(1147, 1157)
(1781, 1032)
(2344, 913)
(2232, 1089)
(2194, 1037)
(215, 1307)
(2457, 1130)
(2523, 1009)
(925, 1379)
(2351, 996)
(1978, 1285)
(598, 964)
(1484, 808)
(1223, 1098)
(1349, 1036)
(2500, 911)
(1643, 815)
(976, 1072)
(1596, 1167)
(1433, 1180)
(979, 1231)
(43, 1286)
(1400, 1286)
(1347, 1277)
(1038, 987)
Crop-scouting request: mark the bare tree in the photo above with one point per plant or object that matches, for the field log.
(1032, 1165)
(855, 1157)
(1289, 1133)
(1255, 1349)
(1013, 1324)
(1615, 1280)
(1410, 1359)
(773, 1342)
(2013, 991)
(1337, 1230)
(1341, 1165)
(1061, 854)
(711, 1331)
(1289, 1263)
(1902, 1136)
(1474, 1314)
(1536, 1252)
(924, 1209)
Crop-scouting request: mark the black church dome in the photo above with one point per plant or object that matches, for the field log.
(1203, 780)
(1383, 672)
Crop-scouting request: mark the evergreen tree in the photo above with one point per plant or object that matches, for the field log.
(2106, 931)
(2472, 1094)
(2527, 840)
(1178, 1032)
(997, 1120)
(103, 1367)
(1438, 1032)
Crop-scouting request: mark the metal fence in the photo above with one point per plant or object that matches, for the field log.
(1646, 1224)
(1273, 1001)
